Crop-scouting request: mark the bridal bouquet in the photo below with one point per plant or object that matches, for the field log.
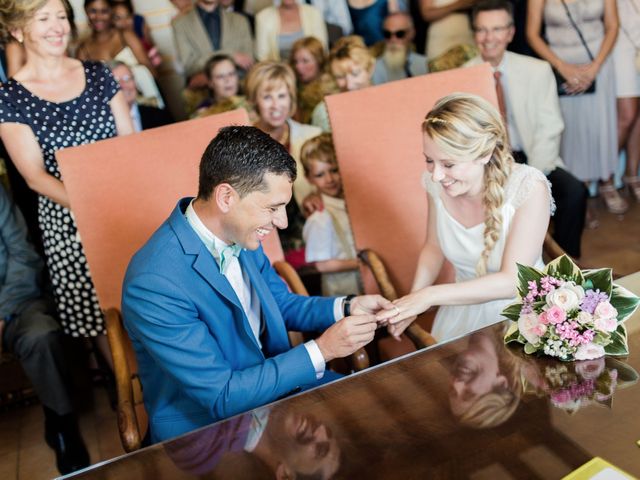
(570, 314)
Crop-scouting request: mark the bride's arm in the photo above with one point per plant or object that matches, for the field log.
(523, 246)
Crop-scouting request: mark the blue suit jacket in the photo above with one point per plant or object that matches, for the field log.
(198, 359)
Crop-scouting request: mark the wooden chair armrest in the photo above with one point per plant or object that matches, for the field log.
(291, 277)
(127, 419)
(375, 264)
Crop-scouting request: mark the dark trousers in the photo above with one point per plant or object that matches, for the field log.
(36, 339)
(570, 195)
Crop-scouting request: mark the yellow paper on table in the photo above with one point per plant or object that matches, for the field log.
(598, 469)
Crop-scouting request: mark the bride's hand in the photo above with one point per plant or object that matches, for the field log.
(404, 308)
(396, 329)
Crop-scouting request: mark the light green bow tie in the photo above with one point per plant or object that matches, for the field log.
(227, 255)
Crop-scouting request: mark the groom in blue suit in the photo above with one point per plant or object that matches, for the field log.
(207, 314)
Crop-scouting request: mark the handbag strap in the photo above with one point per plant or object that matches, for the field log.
(573, 24)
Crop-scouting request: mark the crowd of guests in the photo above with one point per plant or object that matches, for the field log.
(562, 121)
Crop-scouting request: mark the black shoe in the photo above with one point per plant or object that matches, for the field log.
(62, 435)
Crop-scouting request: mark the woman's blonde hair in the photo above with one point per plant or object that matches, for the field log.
(268, 75)
(16, 14)
(352, 48)
(465, 125)
(319, 148)
(315, 48)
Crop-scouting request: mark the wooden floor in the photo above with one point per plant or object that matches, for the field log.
(25, 456)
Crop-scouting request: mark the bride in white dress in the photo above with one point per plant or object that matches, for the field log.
(486, 214)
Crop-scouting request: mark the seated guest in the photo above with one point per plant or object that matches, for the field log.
(236, 6)
(224, 87)
(278, 27)
(125, 19)
(208, 29)
(398, 59)
(327, 233)
(107, 43)
(351, 66)
(208, 315)
(29, 330)
(485, 216)
(308, 61)
(143, 116)
(528, 96)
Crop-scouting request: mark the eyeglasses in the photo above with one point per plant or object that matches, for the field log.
(123, 78)
(494, 30)
(400, 34)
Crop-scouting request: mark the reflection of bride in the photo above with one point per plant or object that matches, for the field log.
(485, 389)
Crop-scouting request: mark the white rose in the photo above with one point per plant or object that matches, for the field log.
(605, 324)
(589, 351)
(605, 310)
(584, 318)
(531, 328)
(577, 289)
(564, 298)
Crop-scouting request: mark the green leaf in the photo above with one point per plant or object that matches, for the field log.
(513, 334)
(600, 278)
(624, 302)
(512, 312)
(529, 349)
(525, 275)
(564, 267)
(618, 346)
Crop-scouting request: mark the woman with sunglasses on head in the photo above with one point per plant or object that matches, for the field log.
(51, 103)
(486, 214)
(367, 17)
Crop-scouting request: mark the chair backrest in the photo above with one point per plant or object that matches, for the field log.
(123, 188)
(379, 150)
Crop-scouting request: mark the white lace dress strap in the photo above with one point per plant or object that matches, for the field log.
(521, 182)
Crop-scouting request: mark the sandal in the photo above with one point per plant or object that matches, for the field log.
(612, 200)
(633, 184)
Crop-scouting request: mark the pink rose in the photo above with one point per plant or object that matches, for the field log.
(606, 324)
(605, 310)
(543, 318)
(556, 315)
(531, 328)
(589, 351)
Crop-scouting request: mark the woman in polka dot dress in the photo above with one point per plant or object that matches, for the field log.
(54, 102)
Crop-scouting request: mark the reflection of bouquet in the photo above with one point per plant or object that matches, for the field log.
(571, 386)
(568, 313)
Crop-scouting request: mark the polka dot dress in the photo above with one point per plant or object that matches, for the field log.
(85, 119)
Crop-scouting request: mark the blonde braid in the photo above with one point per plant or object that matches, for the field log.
(496, 173)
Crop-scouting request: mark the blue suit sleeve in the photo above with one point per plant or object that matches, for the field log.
(163, 323)
(300, 313)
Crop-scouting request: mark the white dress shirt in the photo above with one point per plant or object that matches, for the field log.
(514, 136)
(247, 296)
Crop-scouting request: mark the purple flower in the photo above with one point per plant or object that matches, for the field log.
(591, 300)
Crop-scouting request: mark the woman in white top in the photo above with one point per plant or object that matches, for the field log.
(485, 215)
(278, 28)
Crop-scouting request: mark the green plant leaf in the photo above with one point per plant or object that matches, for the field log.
(624, 302)
(600, 278)
(525, 275)
(563, 267)
(513, 334)
(512, 312)
(529, 349)
(618, 346)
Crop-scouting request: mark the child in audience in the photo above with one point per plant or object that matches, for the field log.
(327, 233)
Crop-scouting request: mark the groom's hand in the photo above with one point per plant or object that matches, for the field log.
(369, 304)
